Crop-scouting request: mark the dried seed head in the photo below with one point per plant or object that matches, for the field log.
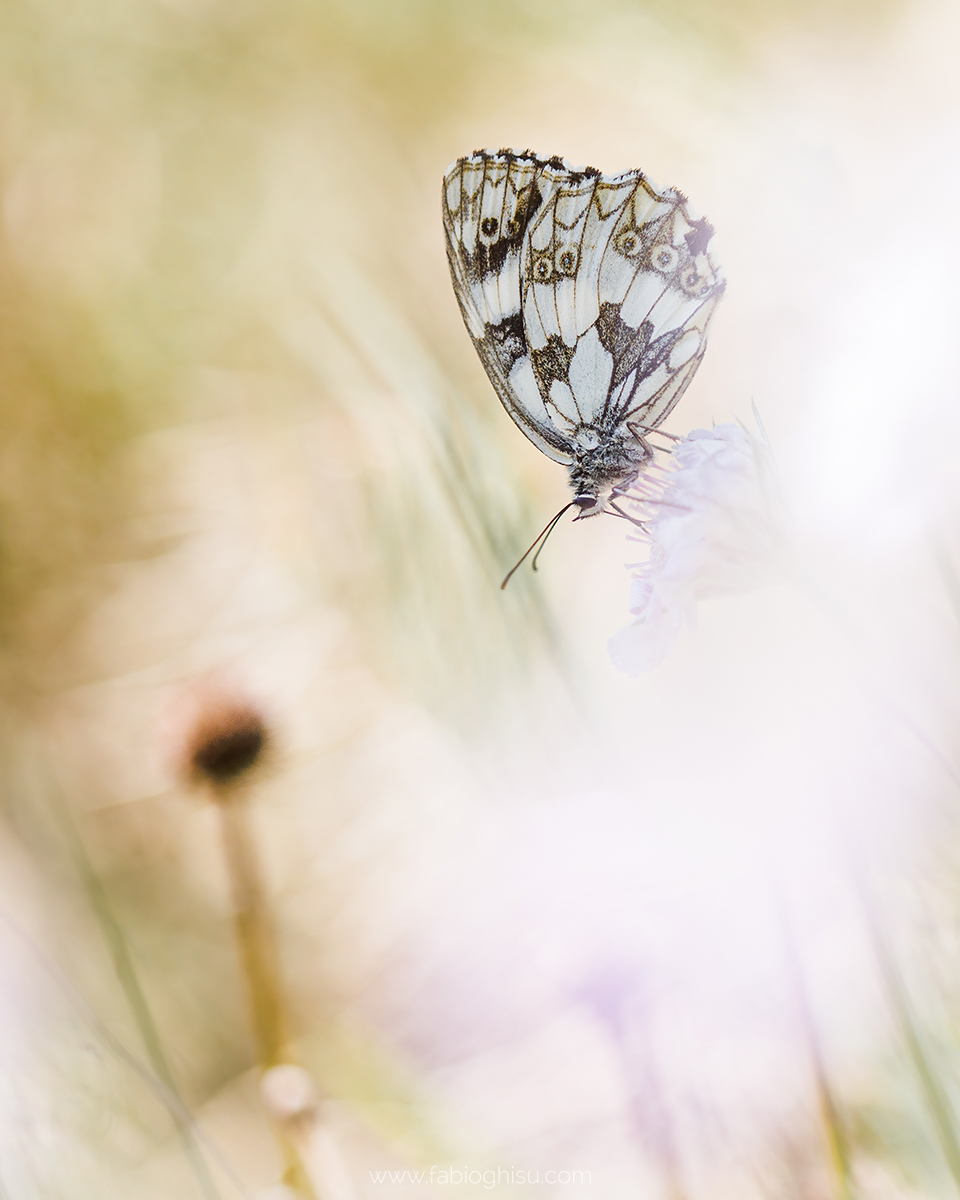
(231, 748)
(227, 738)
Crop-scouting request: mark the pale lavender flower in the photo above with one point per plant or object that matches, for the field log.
(714, 526)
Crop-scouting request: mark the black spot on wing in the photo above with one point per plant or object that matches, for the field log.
(552, 362)
(507, 341)
(623, 341)
(657, 351)
(632, 347)
(484, 259)
(614, 333)
(698, 239)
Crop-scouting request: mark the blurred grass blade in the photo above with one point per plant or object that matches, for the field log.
(934, 1093)
(133, 992)
(830, 1112)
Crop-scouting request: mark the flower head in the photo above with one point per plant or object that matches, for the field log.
(714, 526)
(216, 737)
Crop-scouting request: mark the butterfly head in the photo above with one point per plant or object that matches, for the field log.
(589, 506)
(593, 499)
(603, 465)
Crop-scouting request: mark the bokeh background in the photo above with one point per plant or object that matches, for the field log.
(696, 934)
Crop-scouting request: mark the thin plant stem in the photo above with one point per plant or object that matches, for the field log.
(830, 1113)
(254, 933)
(259, 960)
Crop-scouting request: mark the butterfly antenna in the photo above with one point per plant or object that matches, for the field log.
(541, 540)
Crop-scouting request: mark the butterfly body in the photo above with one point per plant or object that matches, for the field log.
(588, 299)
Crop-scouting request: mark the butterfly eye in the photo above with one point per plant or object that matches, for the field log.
(628, 242)
(543, 269)
(664, 258)
(567, 261)
(488, 226)
(585, 502)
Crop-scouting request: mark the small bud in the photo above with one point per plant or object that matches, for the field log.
(287, 1092)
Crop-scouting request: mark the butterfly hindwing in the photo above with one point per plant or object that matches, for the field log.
(627, 288)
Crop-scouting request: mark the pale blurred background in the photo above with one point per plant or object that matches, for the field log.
(696, 934)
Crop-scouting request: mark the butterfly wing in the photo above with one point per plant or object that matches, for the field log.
(618, 291)
(588, 297)
(489, 200)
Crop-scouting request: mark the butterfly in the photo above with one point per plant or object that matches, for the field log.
(588, 299)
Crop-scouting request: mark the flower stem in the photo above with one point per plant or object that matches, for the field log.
(830, 1110)
(259, 961)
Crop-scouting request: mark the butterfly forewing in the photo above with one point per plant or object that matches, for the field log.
(489, 200)
(588, 298)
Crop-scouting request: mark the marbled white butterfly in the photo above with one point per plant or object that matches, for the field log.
(588, 298)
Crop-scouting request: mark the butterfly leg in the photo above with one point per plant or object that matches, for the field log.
(621, 489)
(618, 512)
(638, 432)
